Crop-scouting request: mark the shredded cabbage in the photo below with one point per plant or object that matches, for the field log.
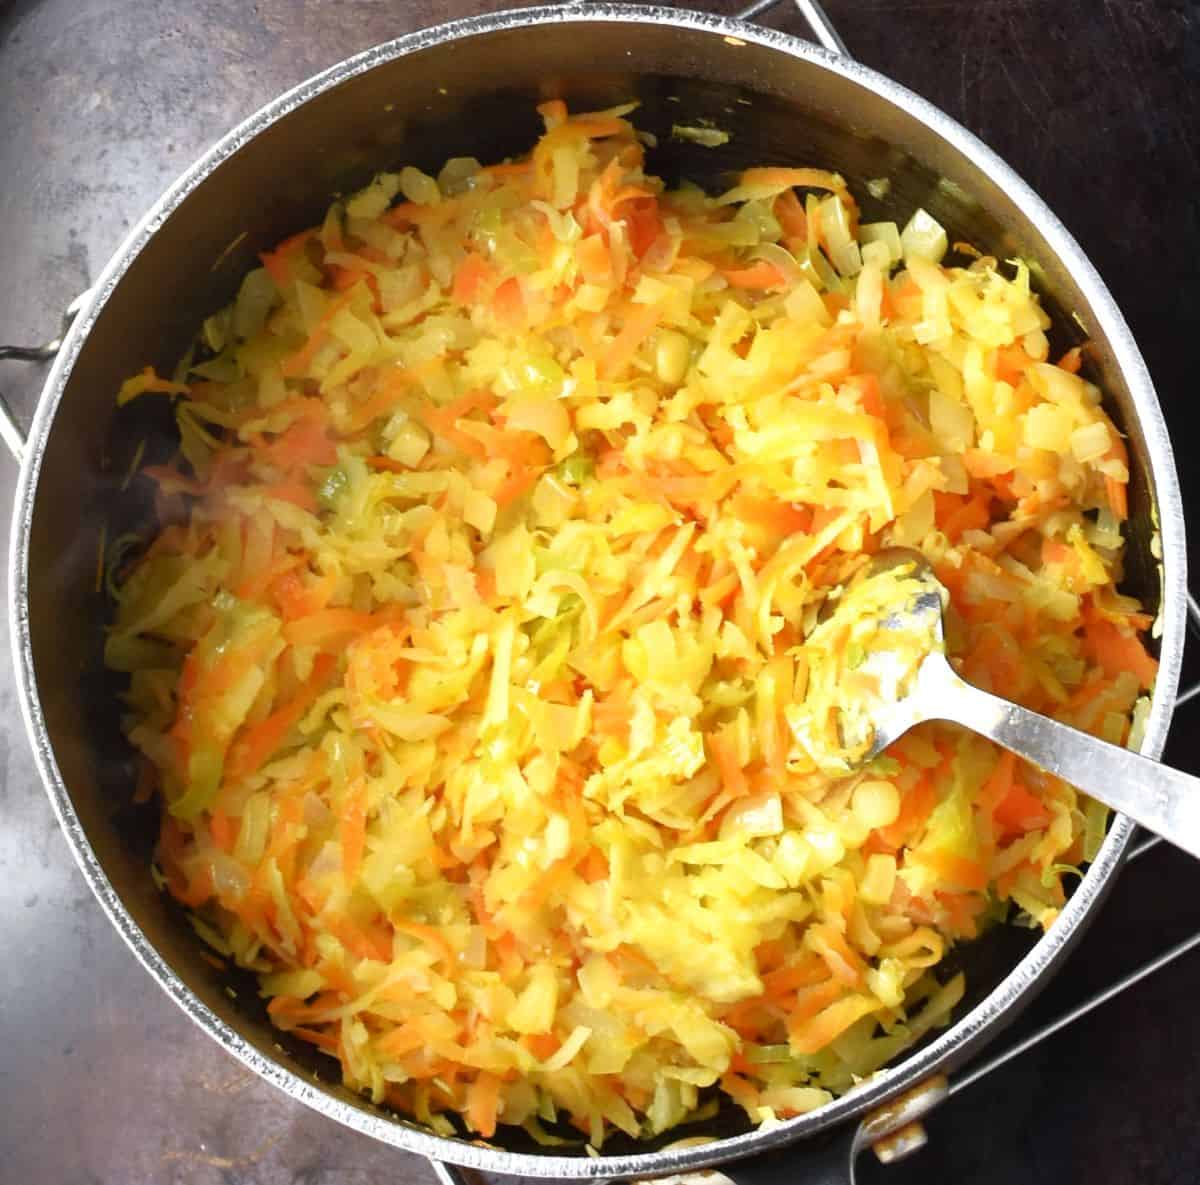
(483, 682)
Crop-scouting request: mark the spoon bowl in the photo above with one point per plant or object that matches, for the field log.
(911, 681)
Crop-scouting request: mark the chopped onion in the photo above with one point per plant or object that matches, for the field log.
(758, 816)
(924, 238)
(885, 234)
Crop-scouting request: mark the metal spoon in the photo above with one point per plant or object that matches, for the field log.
(1162, 800)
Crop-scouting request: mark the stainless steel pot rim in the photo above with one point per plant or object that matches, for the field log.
(958, 1041)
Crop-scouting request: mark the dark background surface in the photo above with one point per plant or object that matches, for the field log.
(103, 102)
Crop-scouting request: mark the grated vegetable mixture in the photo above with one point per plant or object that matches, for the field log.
(470, 656)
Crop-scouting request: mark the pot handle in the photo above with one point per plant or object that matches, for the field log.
(891, 1131)
(812, 11)
(822, 26)
(454, 1174)
(11, 432)
(825, 1159)
(814, 14)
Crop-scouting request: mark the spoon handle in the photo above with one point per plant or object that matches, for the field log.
(1163, 800)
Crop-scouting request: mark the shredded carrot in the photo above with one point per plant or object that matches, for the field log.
(404, 1039)
(843, 962)
(981, 464)
(1117, 494)
(307, 442)
(363, 942)
(1072, 361)
(595, 263)
(829, 1024)
(279, 261)
(790, 214)
(329, 1042)
(955, 870)
(595, 867)
(508, 303)
(223, 831)
(1011, 363)
(520, 479)
(483, 1104)
(553, 112)
(786, 980)
(474, 276)
(999, 782)
(914, 810)
(430, 935)
(759, 275)
(640, 323)
(1021, 811)
(294, 596)
(354, 833)
(732, 774)
(792, 179)
(811, 1000)
(956, 513)
(1115, 651)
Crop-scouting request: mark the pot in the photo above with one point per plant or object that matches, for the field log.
(469, 88)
